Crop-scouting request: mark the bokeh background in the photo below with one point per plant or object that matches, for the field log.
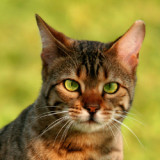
(102, 20)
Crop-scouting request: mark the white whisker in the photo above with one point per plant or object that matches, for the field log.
(66, 131)
(53, 124)
(125, 112)
(130, 118)
(129, 130)
(48, 107)
(137, 112)
(112, 132)
(121, 133)
(136, 120)
(51, 113)
(60, 131)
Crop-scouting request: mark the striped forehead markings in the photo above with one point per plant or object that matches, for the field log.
(83, 74)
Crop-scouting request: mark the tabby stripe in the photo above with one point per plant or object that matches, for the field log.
(49, 91)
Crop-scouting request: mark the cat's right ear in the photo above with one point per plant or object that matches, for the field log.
(54, 43)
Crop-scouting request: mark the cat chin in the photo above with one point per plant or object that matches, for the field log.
(89, 127)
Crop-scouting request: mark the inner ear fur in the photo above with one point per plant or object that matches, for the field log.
(54, 43)
(127, 47)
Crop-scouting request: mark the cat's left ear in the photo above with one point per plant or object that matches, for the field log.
(128, 46)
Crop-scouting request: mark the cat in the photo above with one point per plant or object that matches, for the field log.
(87, 90)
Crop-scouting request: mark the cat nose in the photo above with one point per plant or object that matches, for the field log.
(92, 108)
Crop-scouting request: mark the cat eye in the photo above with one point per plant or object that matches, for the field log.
(111, 87)
(71, 85)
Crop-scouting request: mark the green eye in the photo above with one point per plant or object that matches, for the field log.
(71, 85)
(111, 88)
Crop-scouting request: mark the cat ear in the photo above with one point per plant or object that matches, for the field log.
(128, 46)
(54, 43)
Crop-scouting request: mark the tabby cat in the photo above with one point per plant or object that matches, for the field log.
(87, 90)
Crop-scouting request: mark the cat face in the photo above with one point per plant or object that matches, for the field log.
(82, 88)
(92, 82)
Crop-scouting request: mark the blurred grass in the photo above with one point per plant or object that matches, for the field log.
(20, 64)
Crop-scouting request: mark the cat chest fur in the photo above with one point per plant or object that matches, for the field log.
(81, 147)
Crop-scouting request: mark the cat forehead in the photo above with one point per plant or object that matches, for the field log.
(88, 61)
(90, 54)
(89, 46)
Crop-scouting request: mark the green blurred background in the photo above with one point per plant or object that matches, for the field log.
(102, 20)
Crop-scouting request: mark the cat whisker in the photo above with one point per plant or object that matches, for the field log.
(136, 111)
(136, 120)
(60, 131)
(48, 107)
(46, 115)
(114, 125)
(129, 130)
(66, 130)
(125, 112)
(53, 124)
(129, 113)
(130, 118)
(51, 113)
(112, 131)
(121, 112)
(136, 114)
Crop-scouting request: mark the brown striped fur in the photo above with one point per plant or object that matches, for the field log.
(88, 132)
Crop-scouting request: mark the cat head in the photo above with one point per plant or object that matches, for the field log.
(92, 81)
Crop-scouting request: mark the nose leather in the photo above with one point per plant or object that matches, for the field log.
(92, 108)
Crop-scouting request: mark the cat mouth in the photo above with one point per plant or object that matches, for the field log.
(91, 121)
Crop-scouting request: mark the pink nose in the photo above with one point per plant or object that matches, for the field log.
(92, 108)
